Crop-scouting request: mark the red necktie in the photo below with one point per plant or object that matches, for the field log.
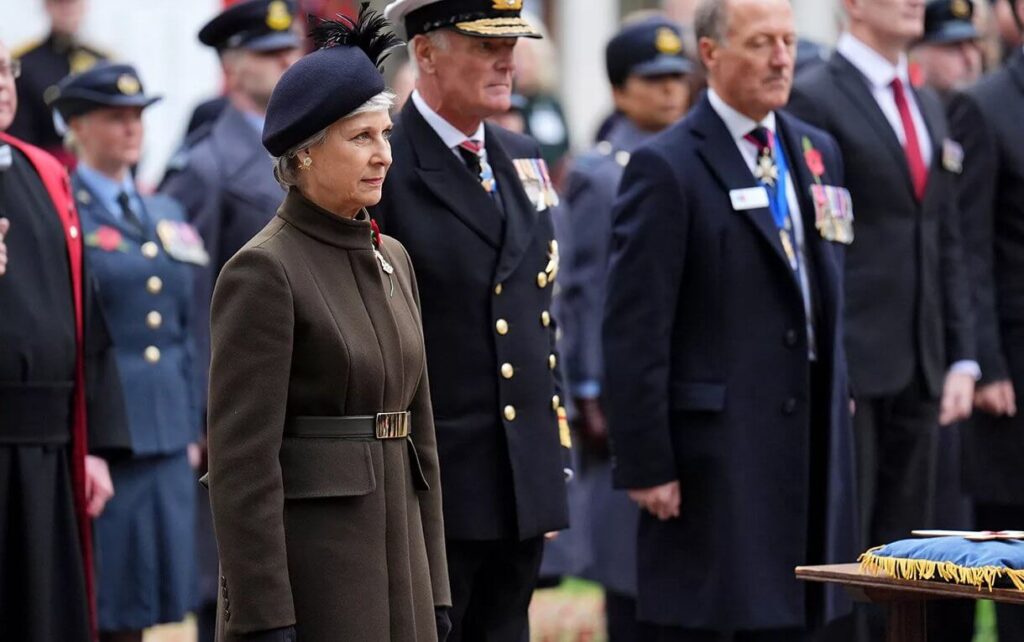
(912, 147)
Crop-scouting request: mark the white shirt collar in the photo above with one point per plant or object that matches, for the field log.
(451, 136)
(879, 71)
(738, 124)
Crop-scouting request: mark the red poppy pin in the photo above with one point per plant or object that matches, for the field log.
(107, 239)
(814, 161)
(376, 233)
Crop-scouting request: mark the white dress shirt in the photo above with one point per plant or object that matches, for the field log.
(880, 74)
(739, 126)
(451, 136)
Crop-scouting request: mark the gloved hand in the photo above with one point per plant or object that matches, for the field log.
(285, 634)
(444, 623)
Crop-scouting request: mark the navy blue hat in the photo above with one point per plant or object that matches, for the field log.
(329, 83)
(105, 85)
(256, 25)
(652, 47)
(480, 18)
(948, 21)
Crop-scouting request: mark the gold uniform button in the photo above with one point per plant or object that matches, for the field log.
(152, 354)
(501, 325)
(545, 318)
(154, 284)
(497, 289)
(150, 250)
(154, 320)
(507, 370)
(552, 361)
(73, 232)
(556, 403)
(542, 280)
(510, 413)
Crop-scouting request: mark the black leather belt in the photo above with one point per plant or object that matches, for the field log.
(383, 425)
(35, 414)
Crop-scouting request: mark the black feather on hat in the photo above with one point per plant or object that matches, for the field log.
(369, 32)
(331, 82)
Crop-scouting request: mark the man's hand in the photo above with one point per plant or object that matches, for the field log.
(591, 424)
(661, 501)
(99, 488)
(996, 398)
(957, 398)
(4, 226)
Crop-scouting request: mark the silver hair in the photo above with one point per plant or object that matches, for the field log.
(286, 166)
(438, 37)
(711, 20)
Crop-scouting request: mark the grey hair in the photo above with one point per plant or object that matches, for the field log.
(286, 166)
(437, 37)
(710, 20)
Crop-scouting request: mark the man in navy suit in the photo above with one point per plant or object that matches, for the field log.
(725, 372)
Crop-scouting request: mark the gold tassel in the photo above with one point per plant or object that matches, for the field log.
(911, 569)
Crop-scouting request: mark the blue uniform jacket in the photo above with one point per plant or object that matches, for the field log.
(147, 298)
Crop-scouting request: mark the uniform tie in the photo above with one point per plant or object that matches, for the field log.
(126, 210)
(912, 147)
(471, 153)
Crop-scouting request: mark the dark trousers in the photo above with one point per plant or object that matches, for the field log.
(996, 517)
(655, 633)
(492, 583)
(620, 613)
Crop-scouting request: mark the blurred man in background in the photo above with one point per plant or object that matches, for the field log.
(947, 55)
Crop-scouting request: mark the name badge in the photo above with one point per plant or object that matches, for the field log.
(750, 198)
(182, 242)
(952, 156)
(833, 213)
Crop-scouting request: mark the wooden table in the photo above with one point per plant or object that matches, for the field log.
(905, 600)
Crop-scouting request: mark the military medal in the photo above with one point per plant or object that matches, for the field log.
(766, 171)
(785, 235)
(385, 267)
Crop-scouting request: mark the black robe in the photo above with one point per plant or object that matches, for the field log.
(42, 579)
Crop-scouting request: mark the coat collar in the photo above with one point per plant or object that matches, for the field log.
(237, 140)
(87, 199)
(316, 222)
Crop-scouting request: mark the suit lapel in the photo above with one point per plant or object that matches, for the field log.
(449, 180)
(721, 155)
(520, 213)
(932, 114)
(855, 86)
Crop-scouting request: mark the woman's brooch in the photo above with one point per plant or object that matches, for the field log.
(386, 267)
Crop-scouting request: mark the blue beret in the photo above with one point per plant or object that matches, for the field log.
(329, 83)
(105, 85)
(652, 47)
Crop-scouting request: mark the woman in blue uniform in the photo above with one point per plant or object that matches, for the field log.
(142, 254)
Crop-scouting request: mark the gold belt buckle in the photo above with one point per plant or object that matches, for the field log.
(393, 425)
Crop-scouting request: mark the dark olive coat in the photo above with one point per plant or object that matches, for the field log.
(342, 538)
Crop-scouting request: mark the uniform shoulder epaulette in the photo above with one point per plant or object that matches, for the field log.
(26, 47)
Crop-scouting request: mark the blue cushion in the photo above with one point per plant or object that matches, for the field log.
(953, 559)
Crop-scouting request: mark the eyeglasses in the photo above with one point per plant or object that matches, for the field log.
(10, 68)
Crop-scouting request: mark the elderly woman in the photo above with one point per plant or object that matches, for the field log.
(323, 465)
(143, 257)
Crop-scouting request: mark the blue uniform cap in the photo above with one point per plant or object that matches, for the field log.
(948, 22)
(105, 85)
(652, 47)
(329, 83)
(256, 25)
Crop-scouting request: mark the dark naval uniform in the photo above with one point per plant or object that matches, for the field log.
(486, 268)
(50, 322)
(43, 65)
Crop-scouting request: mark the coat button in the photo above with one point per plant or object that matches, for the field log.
(501, 325)
(510, 413)
(789, 406)
(154, 284)
(791, 338)
(545, 318)
(150, 250)
(497, 289)
(542, 280)
(556, 403)
(507, 370)
(552, 361)
(73, 231)
(152, 354)
(154, 320)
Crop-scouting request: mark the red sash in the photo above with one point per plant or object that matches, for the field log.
(55, 179)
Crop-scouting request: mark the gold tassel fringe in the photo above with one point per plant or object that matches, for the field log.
(911, 569)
